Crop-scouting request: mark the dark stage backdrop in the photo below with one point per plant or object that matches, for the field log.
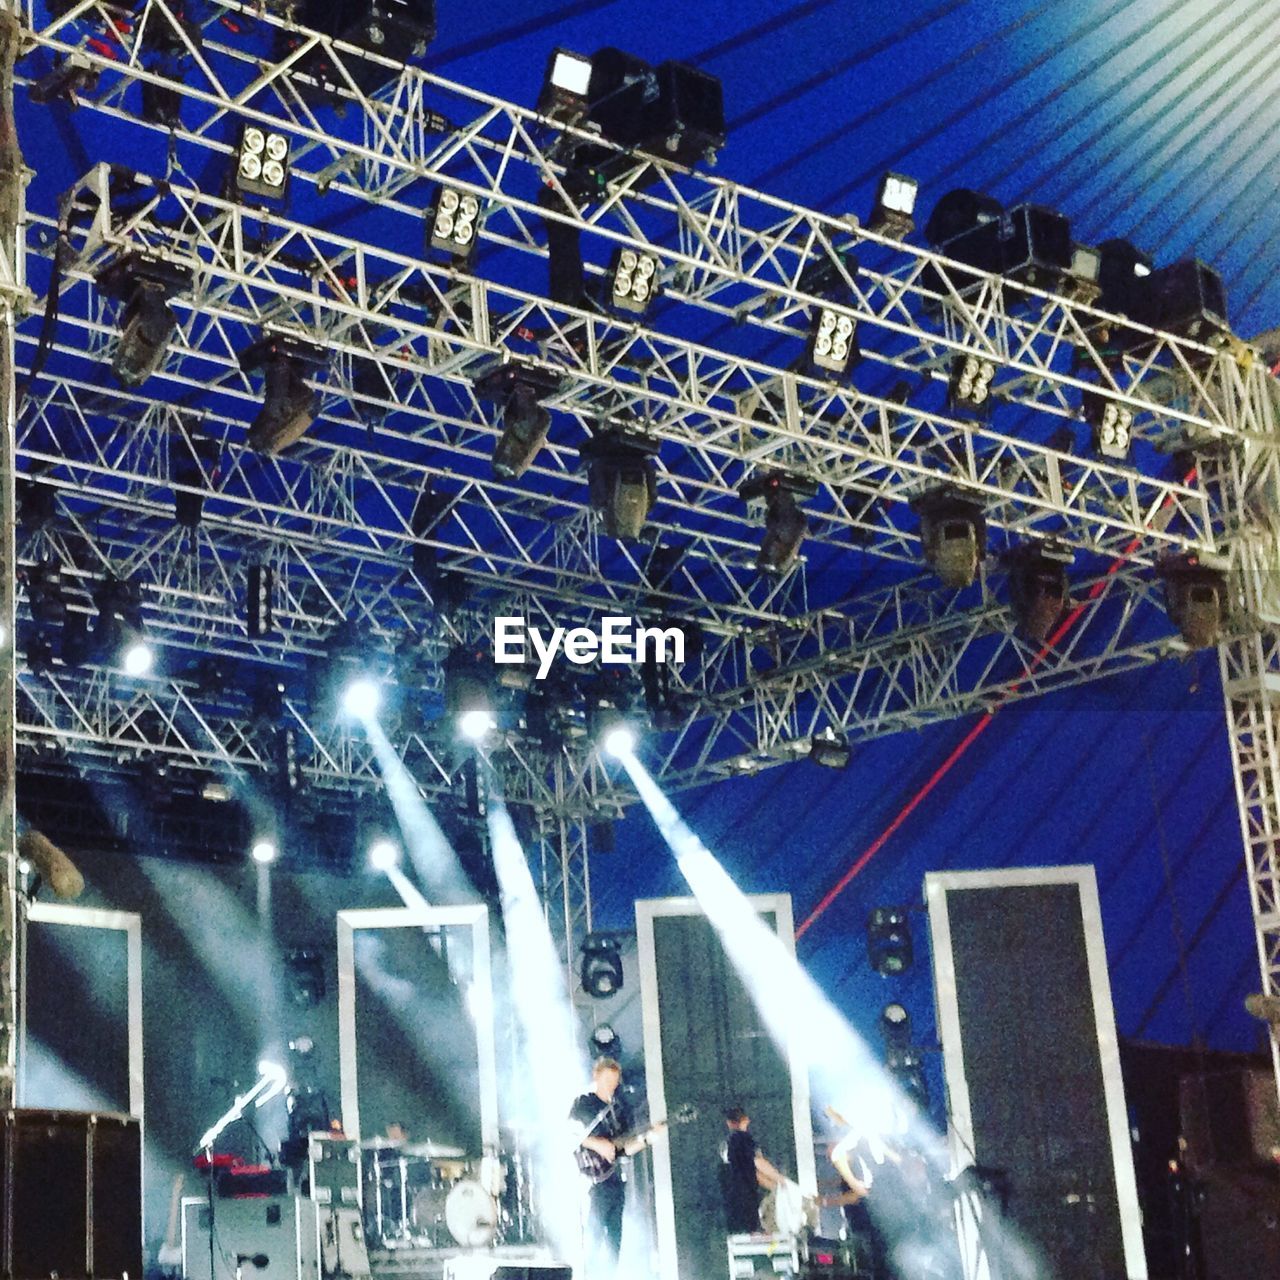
(715, 1053)
(218, 994)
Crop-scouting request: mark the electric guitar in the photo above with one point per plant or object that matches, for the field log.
(597, 1168)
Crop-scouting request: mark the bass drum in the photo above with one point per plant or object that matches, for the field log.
(471, 1214)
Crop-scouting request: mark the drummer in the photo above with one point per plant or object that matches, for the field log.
(396, 1133)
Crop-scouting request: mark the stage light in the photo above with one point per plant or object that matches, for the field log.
(1195, 599)
(139, 658)
(1122, 269)
(306, 983)
(605, 1042)
(889, 948)
(453, 223)
(894, 207)
(264, 852)
(619, 741)
(784, 523)
(633, 280)
(830, 749)
(146, 328)
(621, 480)
(1112, 424)
(565, 86)
(383, 855)
(1186, 298)
(1081, 280)
(601, 965)
(953, 532)
(517, 390)
(895, 1028)
(1038, 588)
(73, 74)
(398, 31)
(361, 698)
(833, 342)
(261, 163)
(969, 386)
(476, 725)
(959, 212)
(288, 403)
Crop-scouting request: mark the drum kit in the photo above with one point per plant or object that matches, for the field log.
(427, 1195)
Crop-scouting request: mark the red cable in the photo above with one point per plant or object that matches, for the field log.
(963, 745)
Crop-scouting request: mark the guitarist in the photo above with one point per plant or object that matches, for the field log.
(605, 1120)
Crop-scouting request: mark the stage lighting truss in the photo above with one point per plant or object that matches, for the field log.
(1038, 587)
(621, 479)
(453, 223)
(894, 209)
(969, 386)
(288, 403)
(518, 390)
(1111, 422)
(953, 533)
(147, 323)
(833, 342)
(1196, 599)
(633, 281)
(785, 524)
(895, 1029)
(261, 162)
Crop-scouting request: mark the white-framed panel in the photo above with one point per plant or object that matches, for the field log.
(474, 918)
(960, 1128)
(130, 924)
(647, 911)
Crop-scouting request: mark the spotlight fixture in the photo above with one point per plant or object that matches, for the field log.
(398, 31)
(72, 75)
(361, 698)
(672, 110)
(613, 730)
(960, 212)
(147, 323)
(605, 1042)
(453, 223)
(833, 342)
(468, 698)
(383, 855)
(1122, 268)
(1038, 588)
(118, 635)
(288, 403)
(305, 970)
(953, 532)
(565, 86)
(518, 391)
(633, 280)
(621, 480)
(1195, 599)
(193, 464)
(1080, 283)
(889, 946)
(784, 523)
(261, 161)
(260, 600)
(969, 386)
(830, 749)
(895, 1028)
(264, 851)
(894, 207)
(1186, 298)
(601, 965)
(1112, 424)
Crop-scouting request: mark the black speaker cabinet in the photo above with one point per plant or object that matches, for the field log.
(72, 1196)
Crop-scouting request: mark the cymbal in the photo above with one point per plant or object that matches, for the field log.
(381, 1144)
(432, 1151)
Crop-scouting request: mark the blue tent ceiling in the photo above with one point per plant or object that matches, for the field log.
(1155, 122)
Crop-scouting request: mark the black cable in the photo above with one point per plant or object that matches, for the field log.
(62, 255)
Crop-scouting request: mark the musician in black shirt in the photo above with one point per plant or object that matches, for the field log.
(604, 1119)
(743, 1172)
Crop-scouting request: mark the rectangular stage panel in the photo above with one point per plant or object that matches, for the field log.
(415, 1004)
(1032, 1063)
(706, 1045)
